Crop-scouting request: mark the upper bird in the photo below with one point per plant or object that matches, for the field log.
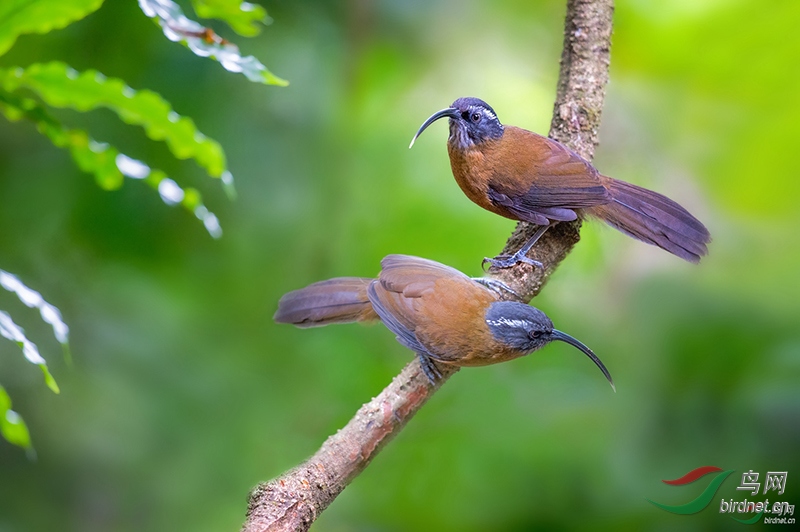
(518, 174)
(438, 312)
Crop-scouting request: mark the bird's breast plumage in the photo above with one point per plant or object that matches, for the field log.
(474, 170)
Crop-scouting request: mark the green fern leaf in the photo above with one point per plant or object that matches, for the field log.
(92, 157)
(205, 43)
(61, 86)
(15, 333)
(108, 165)
(12, 426)
(18, 17)
(33, 299)
(243, 17)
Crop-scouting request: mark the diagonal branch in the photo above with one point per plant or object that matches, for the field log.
(294, 500)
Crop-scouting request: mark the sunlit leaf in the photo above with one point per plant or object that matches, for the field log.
(205, 43)
(93, 157)
(171, 193)
(108, 165)
(33, 299)
(12, 426)
(5, 400)
(243, 17)
(61, 86)
(15, 333)
(18, 17)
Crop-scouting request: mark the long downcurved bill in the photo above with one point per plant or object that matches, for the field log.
(564, 337)
(449, 112)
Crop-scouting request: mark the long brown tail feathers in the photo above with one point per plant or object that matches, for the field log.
(340, 300)
(650, 217)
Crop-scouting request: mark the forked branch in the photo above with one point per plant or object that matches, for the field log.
(294, 500)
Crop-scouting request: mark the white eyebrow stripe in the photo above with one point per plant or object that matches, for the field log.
(487, 112)
(508, 322)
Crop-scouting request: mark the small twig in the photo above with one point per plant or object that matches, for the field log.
(295, 499)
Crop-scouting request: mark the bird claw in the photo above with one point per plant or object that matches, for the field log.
(507, 261)
(430, 368)
(496, 285)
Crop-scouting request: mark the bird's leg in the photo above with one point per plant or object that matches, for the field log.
(507, 261)
(429, 368)
(496, 285)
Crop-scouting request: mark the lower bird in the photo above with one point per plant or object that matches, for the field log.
(520, 175)
(441, 314)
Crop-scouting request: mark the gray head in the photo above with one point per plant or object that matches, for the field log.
(472, 121)
(527, 329)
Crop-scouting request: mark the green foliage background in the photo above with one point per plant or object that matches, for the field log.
(184, 394)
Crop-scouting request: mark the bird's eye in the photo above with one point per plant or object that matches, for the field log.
(476, 117)
(535, 334)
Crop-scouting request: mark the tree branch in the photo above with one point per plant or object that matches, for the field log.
(295, 499)
(576, 120)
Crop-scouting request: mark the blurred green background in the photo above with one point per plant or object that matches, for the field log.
(184, 394)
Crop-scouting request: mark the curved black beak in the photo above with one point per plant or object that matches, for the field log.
(564, 337)
(449, 112)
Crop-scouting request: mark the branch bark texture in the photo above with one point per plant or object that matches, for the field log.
(293, 501)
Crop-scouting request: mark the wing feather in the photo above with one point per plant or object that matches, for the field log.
(561, 179)
(397, 313)
(412, 276)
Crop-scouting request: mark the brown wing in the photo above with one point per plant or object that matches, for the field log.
(542, 179)
(397, 313)
(413, 275)
(431, 308)
(395, 295)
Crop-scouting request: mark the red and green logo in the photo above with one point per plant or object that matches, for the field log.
(777, 512)
(701, 501)
(704, 499)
